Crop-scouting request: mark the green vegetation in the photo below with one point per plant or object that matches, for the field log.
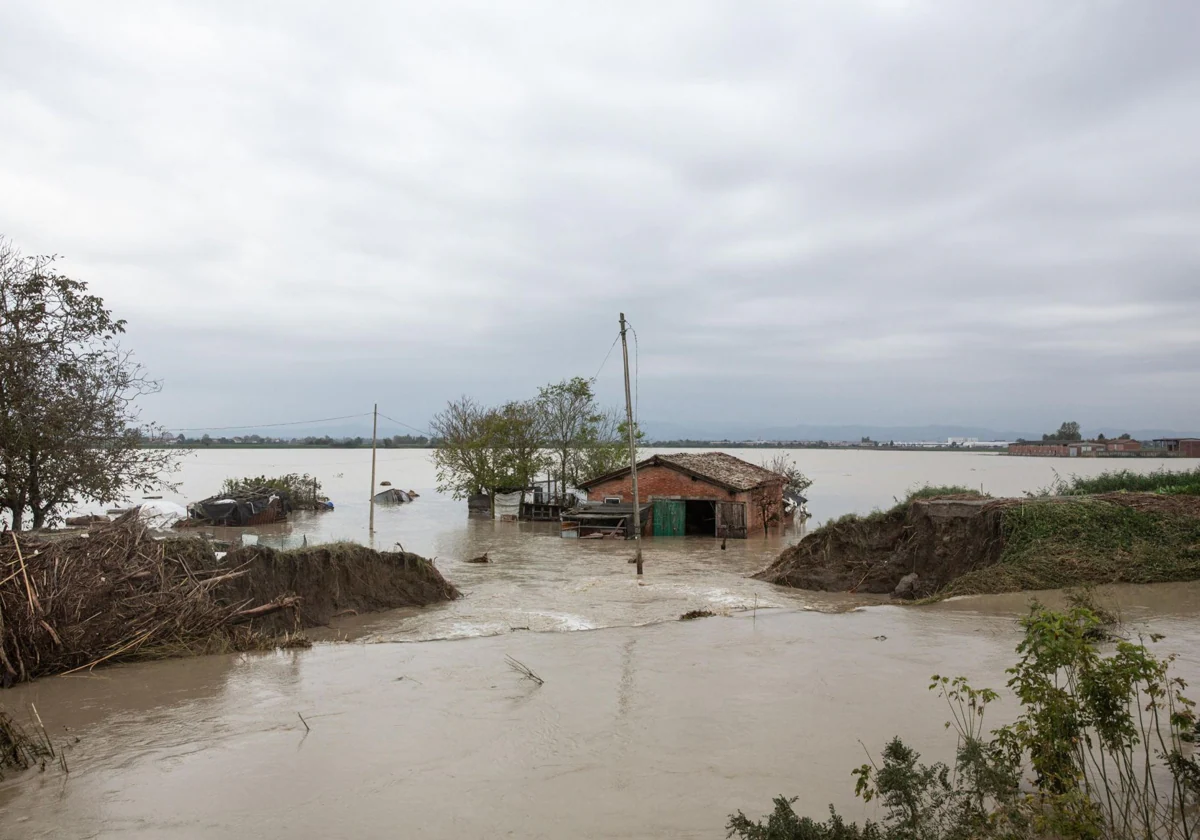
(1067, 431)
(937, 491)
(1104, 740)
(303, 491)
(1126, 481)
(1054, 543)
(562, 433)
(70, 430)
(925, 491)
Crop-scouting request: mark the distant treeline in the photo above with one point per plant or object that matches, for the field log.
(259, 441)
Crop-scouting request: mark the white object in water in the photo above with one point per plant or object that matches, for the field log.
(160, 515)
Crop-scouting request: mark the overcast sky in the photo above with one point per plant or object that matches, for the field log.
(880, 212)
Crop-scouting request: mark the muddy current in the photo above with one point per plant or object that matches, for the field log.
(645, 726)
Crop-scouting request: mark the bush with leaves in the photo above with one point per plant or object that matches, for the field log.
(303, 491)
(1104, 737)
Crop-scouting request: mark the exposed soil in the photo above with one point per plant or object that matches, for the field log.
(923, 548)
(938, 540)
(330, 580)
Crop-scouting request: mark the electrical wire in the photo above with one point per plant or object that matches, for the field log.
(425, 432)
(636, 365)
(606, 355)
(268, 425)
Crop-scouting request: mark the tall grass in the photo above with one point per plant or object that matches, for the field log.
(1117, 481)
(1049, 544)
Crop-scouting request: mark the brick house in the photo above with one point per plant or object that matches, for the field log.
(1183, 447)
(1074, 449)
(706, 493)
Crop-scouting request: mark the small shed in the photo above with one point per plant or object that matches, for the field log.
(703, 494)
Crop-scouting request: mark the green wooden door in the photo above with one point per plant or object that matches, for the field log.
(668, 518)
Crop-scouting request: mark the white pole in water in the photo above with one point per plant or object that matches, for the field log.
(374, 435)
(637, 504)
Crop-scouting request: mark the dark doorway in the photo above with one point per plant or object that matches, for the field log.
(700, 519)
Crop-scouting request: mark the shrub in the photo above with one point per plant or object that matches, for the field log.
(303, 491)
(1103, 736)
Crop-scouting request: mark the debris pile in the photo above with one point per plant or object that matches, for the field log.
(118, 594)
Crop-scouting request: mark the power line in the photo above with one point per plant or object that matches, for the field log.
(606, 355)
(636, 364)
(269, 425)
(425, 432)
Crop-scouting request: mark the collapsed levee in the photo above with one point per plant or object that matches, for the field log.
(117, 594)
(957, 546)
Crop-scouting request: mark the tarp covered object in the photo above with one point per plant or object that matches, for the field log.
(255, 509)
(161, 515)
(392, 496)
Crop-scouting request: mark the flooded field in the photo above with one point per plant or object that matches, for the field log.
(645, 726)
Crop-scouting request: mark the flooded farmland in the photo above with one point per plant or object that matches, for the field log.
(644, 726)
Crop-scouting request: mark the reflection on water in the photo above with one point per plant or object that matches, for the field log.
(649, 728)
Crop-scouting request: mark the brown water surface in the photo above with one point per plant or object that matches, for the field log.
(645, 727)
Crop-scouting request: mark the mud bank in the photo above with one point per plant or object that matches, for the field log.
(117, 594)
(960, 546)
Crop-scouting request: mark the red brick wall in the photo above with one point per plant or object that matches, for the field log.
(1123, 446)
(1045, 450)
(664, 483)
(1187, 449)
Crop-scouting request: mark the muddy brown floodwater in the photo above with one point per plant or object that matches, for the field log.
(644, 727)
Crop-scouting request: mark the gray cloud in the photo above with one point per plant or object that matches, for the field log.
(877, 212)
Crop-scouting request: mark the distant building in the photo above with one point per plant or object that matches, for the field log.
(706, 493)
(1183, 447)
(1075, 448)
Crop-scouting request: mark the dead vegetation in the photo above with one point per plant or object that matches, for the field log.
(21, 749)
(524, 670)
(694, 614)
(117, 594)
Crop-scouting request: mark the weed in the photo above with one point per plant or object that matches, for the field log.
(1103, 737)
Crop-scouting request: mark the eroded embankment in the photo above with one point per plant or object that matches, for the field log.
(117, 594)
(959, 546)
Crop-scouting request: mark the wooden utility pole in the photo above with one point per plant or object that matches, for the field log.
(637, 502)
(374, 435)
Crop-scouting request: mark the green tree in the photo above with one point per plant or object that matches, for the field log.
(70, 430)
(570, 420)
(467, 457)
(605, 447)
(1067, 431)
(520, 448)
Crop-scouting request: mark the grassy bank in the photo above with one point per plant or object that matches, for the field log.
(1118, 527)
(1125, 481)
(1056, 543)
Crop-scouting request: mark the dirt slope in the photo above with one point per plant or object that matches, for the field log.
(963, 546)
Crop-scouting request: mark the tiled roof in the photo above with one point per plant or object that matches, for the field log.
(715, 467)
(722, 469)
